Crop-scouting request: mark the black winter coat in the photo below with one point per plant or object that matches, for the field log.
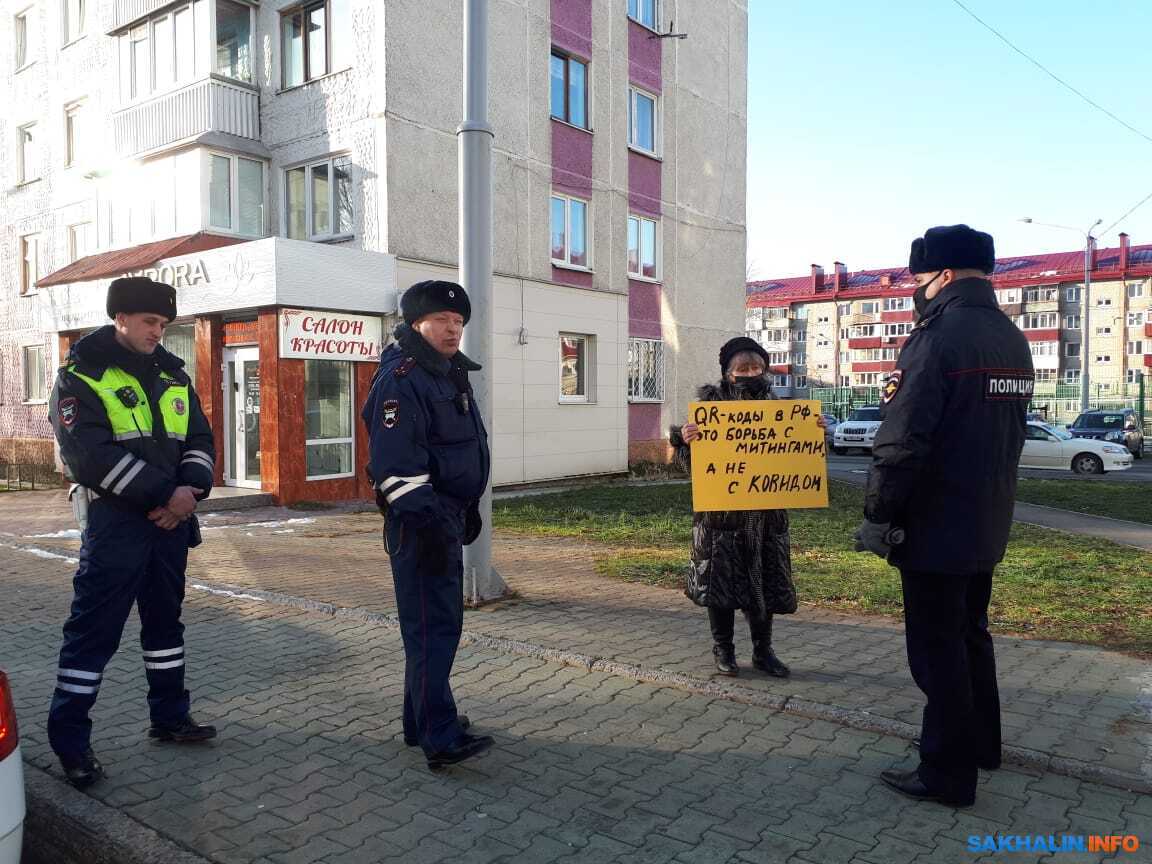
(944, 462)
(741, 559)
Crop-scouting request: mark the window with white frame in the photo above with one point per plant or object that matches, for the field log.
(643, 12)
(576, 364)
(166, 51)
(822, 319)
(845, 356)
(897, 304)
(75, 133)
(868, 379)
(35, 380)
(1132, 376)
(1044, 349)
(780, 380)
(844, 331)
(1135, 289)
(1104, 301)
(24, 33)
(236, 194)
(863, 331)
(801, 382)
(1008, 295)
(1039, 321)
(315, 39)
(180, 339)
(844, 308)
(643, 248)
(1071, 322)
(1072, 349)
(753, 319)
(1041, 294)
(28, 153)
(845, 380)
(75, 12)
(901, 329)
(569, 89)
(1103, 358)
(799, 335)
(1136, 319)
(800, 312)
(1071, 376)
(81, 238)
(318, 200)
(1044, 376)
(645, 370)
(1103, 331)
(570, 232)
(1072, 294)
(328, 422)
(866, 355)
(778, 358)
(643, 121)
(823, 342)
(29, 263)
(870, 307)
(1136, 347)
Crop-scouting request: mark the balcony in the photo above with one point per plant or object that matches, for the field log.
(209, 105)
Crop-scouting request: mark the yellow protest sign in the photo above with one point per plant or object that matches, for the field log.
(758, 455)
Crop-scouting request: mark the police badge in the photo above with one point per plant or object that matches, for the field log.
(391, 413)
(179, 407)
(67, 410)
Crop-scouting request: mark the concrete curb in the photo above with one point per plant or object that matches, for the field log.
(63, 825)
(850, 717)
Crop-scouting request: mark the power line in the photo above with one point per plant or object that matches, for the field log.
(1050, 73)
(1143, 201)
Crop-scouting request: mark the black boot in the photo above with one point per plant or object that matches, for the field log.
(462, 719)
(466, 747)
(763, 657)
(726, 660)
(82, 771)
(187, 731)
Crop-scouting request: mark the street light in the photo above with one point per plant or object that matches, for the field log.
(1089, 247)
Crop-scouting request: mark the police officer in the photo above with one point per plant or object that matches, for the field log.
(939, 500)
(133, 437)
(429, 466)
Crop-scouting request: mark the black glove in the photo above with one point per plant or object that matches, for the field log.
(473, 524)
(874, 537)
(433, 547)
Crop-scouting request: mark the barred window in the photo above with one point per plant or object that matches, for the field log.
(645, 370)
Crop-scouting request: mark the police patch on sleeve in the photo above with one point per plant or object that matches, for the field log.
(67, 411)
(892, 385)
(391, 413)
(1009, 385)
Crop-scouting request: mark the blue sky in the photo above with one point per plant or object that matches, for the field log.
(870, 121)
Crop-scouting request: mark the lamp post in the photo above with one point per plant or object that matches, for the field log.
(1089, 248)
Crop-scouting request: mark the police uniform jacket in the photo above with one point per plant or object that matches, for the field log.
(945, 458)
(428, 439)
(130, 426)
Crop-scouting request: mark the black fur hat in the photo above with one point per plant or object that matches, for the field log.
(134, 294)
(735, 346)
(427, 298)
(952, 247)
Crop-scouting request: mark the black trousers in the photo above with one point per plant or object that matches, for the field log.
(723, 625)
(953, 662)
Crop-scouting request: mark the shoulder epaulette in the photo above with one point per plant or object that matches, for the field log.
(405, 367)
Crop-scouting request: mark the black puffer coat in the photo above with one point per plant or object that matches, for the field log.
(741, 559)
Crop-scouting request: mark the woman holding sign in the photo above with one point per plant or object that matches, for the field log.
(740, 559)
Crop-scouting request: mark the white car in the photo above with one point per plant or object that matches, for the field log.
(11, 780)
(1047, 446)
(858, 431)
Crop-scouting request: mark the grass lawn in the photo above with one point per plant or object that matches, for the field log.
(1120, 500)
(1051, 585)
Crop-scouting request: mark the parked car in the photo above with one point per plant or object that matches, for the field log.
(11, 780)
(1047, 446)
(830, 424)
(1119, 427)
(858, 431)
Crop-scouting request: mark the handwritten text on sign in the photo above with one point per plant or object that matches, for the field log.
(761, 455)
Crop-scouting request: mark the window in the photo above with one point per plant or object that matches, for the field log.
(822, 319)
(801, 382)
(897, 304)
(869, 379)
(844, 332)
(327, 419)
(1103, 301)
(25, 36)
(1136, 347)
(800, 313)
(645, 370)
(863, 331)
(185, 44)
(140, 75)
(28, 153)
(1072, 294)
(80, 243)
(778, 358)
(1103, 331)
(779, 380)
(844, 308)
(315, 39)
(893, 330)
(1071, 322)
(642, 249)
(869, 307)
(74, 19)
(1103, 358)
(1043, 294)
(642, 121)
(234, 40)
(1039, 321)
(569, 90)
(1009, 295)
(845, 380)
(180, 339)
(1071, 376)
(1072, 349)
(75, 132)
(823, 342)
(845, 356)
(1136, 319)
(1135, 289)
(35, 383)
(643, 12)
(799, 335)
(1045, 376)
(319, 199)
(570, 232)
(1044, 349)
(163, 53)
(575, 366)
(236, 194)
(29, 263)
(1131, 376)
(776, 313)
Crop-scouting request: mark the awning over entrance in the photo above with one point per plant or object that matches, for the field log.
(121, 261)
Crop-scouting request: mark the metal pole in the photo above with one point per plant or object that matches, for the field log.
(475, 166)
(1089, 245)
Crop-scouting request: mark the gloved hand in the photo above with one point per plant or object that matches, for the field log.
(473, 524)
(433, 547)
(874, 537)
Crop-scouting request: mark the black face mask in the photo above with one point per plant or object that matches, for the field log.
(920, 298)
(750, 386)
